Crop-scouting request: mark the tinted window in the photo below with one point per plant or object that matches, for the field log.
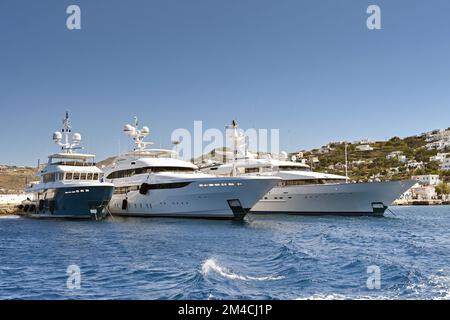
(146, 170)
(292, 168)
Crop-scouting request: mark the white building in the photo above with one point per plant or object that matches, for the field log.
(393, 171)
(397, 155)
(413, 164)
(358, 162)
(325, 149)
(364, 147)
(439, 157)
(363, 141)
(438, 135)
(303, 160)
(423, 192)
(445, 164)
(438, 139)
(427, 179)
(394, 154)
(438, 145)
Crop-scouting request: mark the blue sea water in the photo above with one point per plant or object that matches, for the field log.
(263, 257)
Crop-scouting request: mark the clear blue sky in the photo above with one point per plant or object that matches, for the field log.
(310, 68)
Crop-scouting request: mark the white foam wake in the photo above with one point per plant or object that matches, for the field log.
(211, 265)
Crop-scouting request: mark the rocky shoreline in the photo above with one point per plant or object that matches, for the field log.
(9, 203)
(8, 209)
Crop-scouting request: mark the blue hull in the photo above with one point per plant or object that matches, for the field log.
(87, 202)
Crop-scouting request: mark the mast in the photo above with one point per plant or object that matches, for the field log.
(176, 143)
(346, 162)
(137, 134)
(69, 144)
(234, 136)
(67, 128)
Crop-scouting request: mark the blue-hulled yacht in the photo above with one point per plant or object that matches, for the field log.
(70, 185)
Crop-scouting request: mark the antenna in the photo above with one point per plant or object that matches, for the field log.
(235, 137)
(137, 134)
(176, 143)
(67, 146)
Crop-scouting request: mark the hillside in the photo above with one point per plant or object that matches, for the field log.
(394, 159)
(105, 163)
(13, 179)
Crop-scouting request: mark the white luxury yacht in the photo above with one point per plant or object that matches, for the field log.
(151, 182)
(70, 185)
(302, 191)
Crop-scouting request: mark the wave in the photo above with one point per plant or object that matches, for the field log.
(442, 286)
(436, 286)
(212, 266)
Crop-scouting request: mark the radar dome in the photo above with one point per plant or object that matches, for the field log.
(145, 130)
(76, 138)
(57, 136)
(129, 130)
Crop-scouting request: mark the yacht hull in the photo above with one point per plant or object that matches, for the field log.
(208, 198)
(353, 199)
(81, 202)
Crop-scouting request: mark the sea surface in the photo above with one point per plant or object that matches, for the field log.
(263, 257)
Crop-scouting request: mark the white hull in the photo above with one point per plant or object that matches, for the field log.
(341, 199)
(196, 200)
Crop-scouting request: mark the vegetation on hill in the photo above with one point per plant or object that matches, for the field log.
(365, 165)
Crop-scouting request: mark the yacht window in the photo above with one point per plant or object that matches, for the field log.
(95, 176)
(49, 177)
(292, 168)
(125, 190)
(69, 175)
(76, 176)
(75, 163)
(145, 187)
(89, 176)
(251, 170)
(83, 176)
(304, 182)
(146, 170)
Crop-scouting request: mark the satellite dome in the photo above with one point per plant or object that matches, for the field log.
(57, 136)
(145, 130)
(129, 129)
(76, 138)
(283, 155)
